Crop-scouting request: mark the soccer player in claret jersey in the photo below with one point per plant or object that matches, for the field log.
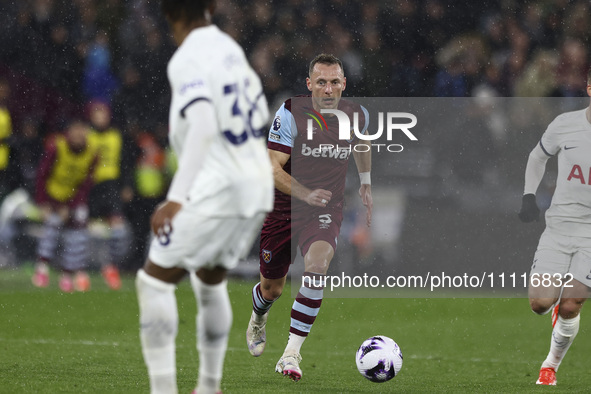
(218, 197)
(309, 198)
(64, 180)
(565, 246)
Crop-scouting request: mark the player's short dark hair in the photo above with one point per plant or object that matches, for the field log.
(187, 10)
(589, 76)
(325, 58)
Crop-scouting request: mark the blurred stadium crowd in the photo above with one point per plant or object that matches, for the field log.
(57, 57)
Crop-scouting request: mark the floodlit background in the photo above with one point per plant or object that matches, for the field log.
(56, 57)
(450, 198)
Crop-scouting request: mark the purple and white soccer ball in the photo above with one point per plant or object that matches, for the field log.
(379, 359)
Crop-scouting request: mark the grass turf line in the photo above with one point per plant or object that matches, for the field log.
(55, 342)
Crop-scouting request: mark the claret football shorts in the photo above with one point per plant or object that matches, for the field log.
(280, 238)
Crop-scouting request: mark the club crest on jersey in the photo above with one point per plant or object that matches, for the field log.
(351, 136)
(310, 126)
(277, 123)
(267, 255)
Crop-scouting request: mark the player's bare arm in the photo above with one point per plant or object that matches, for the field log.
(288, 185)
(363, 162)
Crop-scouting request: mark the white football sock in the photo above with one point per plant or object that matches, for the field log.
(158, 329)
(214, 320)
(563, 335)
(294, 344)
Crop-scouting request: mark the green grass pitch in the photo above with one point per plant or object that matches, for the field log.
(70, 343)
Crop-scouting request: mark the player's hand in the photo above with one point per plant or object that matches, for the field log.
(318, 198)
(161, 221)
(366, 198)
(529, 209)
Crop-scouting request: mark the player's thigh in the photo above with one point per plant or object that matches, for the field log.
(276, 252)
(550, 266)
(578, 283)
(318, 257)
(576, 289)
(198, 241)
(323, 226)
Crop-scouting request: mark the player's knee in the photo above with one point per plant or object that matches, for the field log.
(570, 307)
(540, 306)
(320, 267)
(271, 292)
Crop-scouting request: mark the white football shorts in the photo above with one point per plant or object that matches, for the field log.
(560, 254)
(198, 241)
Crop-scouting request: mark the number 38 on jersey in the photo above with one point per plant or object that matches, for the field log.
(247, 112)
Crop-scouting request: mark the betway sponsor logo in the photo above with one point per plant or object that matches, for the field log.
(327, 150)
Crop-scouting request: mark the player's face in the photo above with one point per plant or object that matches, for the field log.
(326, 83)
(100, 116)
(77, 134)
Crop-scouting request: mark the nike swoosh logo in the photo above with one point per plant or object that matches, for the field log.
(569, 147)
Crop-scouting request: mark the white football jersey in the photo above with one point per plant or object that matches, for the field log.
(236, 177)
(569, 136)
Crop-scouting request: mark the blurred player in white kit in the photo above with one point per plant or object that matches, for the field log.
(564, 250)
(217, 200)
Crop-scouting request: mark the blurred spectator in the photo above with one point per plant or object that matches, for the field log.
(376, 40)
(66, 67)
(5, 135)
(572, 70)
(105, 199)
(461, 61)
(128, 102)
(63, 184)
(57, 55)
(539, 77)
(149, 187)
(27, 148)
(98, 81)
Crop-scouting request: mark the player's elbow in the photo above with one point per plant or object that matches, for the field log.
(538, 155)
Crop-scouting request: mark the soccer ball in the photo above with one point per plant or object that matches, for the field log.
(379, 359)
